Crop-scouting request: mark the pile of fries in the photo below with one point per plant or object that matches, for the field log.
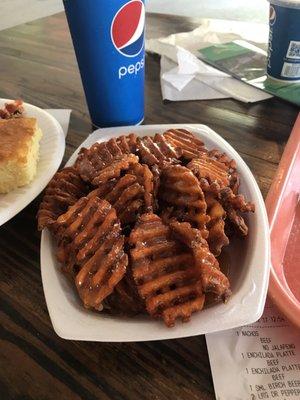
(140, 222)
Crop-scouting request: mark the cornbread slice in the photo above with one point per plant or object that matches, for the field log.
(19, 151)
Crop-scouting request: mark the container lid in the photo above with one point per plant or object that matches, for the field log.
(286, 3)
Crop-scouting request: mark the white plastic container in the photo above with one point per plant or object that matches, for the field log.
(248, 261)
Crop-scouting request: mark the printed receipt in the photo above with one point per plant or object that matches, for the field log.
(257, 361)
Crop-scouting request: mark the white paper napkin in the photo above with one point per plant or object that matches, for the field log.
(185, 77)
(178, 87)
(62, 116)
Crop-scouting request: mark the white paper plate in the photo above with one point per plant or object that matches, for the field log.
(52, 148)
(249, 270)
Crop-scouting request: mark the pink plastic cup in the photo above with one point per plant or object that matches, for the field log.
(283, 207)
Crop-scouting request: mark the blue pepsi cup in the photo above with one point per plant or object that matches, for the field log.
(108, 38)
(284, 41)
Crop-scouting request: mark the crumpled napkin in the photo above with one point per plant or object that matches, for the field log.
(185, 77)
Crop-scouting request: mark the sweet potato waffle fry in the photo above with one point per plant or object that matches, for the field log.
(181, 192)
(139, 223)
(145, 179)
(64, 189)
(115, 169)
(131, 194)
(108, 158)
(125, 299)
(216, 225)
(234, 180)
(212, 278)
(164, 272)
(127, 197)
(157, 151)
(91, 234)
(127, 143)
(234, 205)
(209, 171)
(190, 146)
(156, 184)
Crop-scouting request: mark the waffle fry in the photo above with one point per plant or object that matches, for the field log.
(156, 184)
(216, 225)
(234, 205)
(125, 299)
(90, 161)
(127, 143)
(181, 192)
(100, 156)
(234, 180)
(64, 189)
(171, 152)
(145, 179)
(223, 158)
(190, 146)
(209, 172)
(164, 272)
(102, 190)
(212, 278)
(127, 197)
(115, 169)
(157, 151)
(91, 233)
(131, 195)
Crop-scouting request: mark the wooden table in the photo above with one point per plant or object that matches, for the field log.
(37, 63)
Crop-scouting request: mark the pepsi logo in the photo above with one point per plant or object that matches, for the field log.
(272, 15)
(127, 28)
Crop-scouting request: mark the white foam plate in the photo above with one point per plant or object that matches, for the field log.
(248, 260)
(52, 148)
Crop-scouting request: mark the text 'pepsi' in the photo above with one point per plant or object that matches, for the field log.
(131, 68)
(108, 39)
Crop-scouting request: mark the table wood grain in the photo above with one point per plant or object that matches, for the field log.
(37, 63)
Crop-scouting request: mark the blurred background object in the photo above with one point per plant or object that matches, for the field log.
(15, 12)
(238, 10)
